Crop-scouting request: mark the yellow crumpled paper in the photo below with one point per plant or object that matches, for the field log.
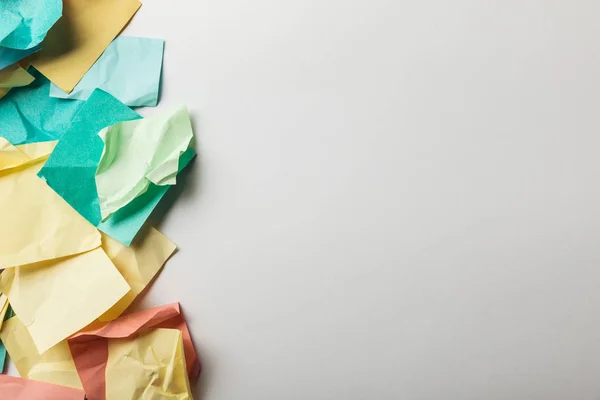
(36, 224)
(13, 76)
(56, 298)
(139, 263)
(54, 366)
(151, 366)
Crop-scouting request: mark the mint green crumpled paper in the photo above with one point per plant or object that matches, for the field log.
(24, 23)
(129, 69)
(137, 153)
(71, 168)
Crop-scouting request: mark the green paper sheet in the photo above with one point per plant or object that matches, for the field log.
(24, 23)
(138, 153)
(29, 115)
(71, 168)
(129, 69)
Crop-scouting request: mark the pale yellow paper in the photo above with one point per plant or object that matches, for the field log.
(79, 37)
(14, 76)
(56, 298)
(36, 224)
(138, 264)
(54, 366)
(35, 151)
(3, 308)
(149, 367)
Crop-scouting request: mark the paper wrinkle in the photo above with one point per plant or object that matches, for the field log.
(140, 152)
(65, 59)
(71, 168)
(29, 115)
(13, 388)
(26, 22)
(90, 346)
(138, 264)
(151, 366)
(40, 226)
(129, 69)
(54, 366)
(57, 298)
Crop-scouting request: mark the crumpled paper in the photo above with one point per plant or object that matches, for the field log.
(71, 168)
(29, 115)
(151, 366)
(3, 309)
(11, 56)
(137, 153)
(13, 388)
(54, 366)
(13, 76)
(129, 69)
(36, 224)
(24, 23)
(56, 298)
(80, 37)
(90, 347)
(138, 264)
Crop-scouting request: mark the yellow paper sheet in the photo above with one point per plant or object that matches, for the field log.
(56, 298)
(14, 76)
(36, 224)
(54, 366)
(76, 41)
(138, 263)
(151, 366)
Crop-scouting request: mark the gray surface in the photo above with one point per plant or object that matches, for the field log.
(395, 199)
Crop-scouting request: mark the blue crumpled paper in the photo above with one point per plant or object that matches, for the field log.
(71, 168)
(129, 69)
(11, 56)
(29, 115)
(24, 23)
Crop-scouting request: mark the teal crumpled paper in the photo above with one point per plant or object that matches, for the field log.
(71, 168)
(11, 56)
(129, 69)
(29, 115)
(9, 314)
(24, 23)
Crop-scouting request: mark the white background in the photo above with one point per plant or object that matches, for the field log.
(393, 199)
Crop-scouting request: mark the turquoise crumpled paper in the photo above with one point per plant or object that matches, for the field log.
(11, 56)
(71, 168)
(9, 314)
(29, 115)
(24, 23)
(129, 69)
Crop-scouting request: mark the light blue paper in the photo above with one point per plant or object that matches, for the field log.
(11, 56)
(29, 115)
(71, 168)
(129, 69)
(24, 23)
